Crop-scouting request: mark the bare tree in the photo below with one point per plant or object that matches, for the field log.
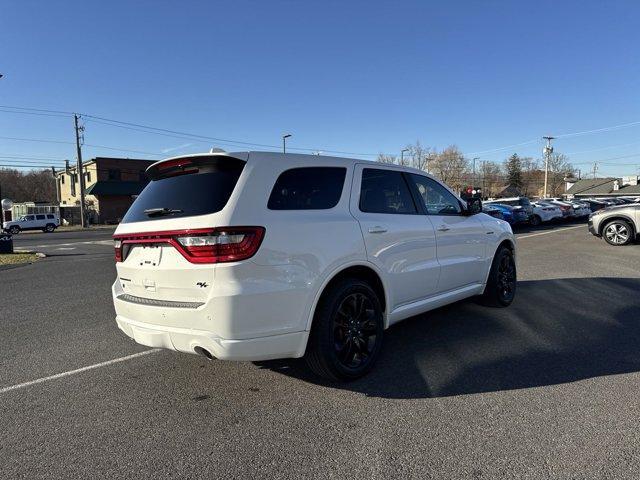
(530, 176)
(559, 168)
(491, 178)
(451, 167)
(34, 185)
(419, 156)
(384, 158)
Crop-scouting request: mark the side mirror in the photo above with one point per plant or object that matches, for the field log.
(474, 205)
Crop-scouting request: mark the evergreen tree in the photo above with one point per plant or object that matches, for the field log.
(514, 171)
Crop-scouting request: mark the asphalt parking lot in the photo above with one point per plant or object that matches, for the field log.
(547, 388)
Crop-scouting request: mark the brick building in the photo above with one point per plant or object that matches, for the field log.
(111, 184)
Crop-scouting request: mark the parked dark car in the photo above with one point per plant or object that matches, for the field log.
(595, 205)
(493, 211)
(522, 202)
(513, 215)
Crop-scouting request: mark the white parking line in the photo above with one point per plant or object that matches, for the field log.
(550, 231)
(79, 370)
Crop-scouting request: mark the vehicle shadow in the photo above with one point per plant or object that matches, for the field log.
(556, 331)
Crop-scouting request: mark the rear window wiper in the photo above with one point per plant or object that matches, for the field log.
(159, 212)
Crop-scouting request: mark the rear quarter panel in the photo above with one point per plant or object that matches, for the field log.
(301, 249)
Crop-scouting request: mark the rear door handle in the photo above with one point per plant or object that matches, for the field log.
(443, 228)
(377, 229)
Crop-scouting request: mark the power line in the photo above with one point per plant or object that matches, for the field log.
(205, 138)
(34, 113)
(40, 140)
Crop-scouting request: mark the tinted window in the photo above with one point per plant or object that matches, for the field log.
(40, 217)
(49, 216)
(189, 194)
(437, 199)
(310, 188)
(28, 217)
(385, 191)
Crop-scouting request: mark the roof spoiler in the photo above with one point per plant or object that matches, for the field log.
(195, 163)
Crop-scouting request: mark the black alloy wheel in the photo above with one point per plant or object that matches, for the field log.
(506, 279)
(501, 283)
(346, 334)
(355, 330)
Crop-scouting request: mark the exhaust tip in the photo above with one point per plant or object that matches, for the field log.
(204, 352)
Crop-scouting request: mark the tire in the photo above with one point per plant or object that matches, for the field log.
(347, 323)
(14, 230)
(618, 233)
(50, 227)
(535, 220)
(501, 284)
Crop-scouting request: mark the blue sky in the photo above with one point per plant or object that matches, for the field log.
(363, 77)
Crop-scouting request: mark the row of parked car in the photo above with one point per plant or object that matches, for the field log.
(519, 210)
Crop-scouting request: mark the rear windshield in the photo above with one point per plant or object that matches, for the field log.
(189, 194)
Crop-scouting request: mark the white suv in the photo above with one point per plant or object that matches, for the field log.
(47, 222)
(255, 256)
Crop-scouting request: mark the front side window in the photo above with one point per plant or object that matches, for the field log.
(385, 191)
(308, 188)
(28, 218)
(437, 199)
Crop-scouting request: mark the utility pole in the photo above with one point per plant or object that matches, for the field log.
(55, 179)
(595, 169)
(547, 150)
(79, 129)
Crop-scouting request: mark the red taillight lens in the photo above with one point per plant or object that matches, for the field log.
(214, 245)
(223, 245)
(118, 247)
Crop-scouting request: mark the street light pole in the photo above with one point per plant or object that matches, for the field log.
(284, 142)
(547, 150)
(474, 171)
(402, 155)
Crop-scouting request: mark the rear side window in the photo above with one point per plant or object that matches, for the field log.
(308, 188)
(385, 191)
(50, 216)
(40, 217)
(193, 188)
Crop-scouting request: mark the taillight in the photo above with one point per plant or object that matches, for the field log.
(223, 245)
(118, 247)
(209, 245)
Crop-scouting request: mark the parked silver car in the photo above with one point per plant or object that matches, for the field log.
(618, 225)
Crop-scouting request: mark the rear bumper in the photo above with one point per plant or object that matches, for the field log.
(290, 345)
